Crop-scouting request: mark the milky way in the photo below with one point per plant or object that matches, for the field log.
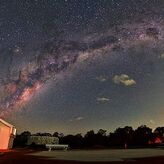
(56, 55)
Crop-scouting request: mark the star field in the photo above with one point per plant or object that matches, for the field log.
(77, 65)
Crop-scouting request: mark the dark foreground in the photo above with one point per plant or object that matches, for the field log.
(25, 157)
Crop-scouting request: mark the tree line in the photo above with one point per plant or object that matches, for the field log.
(125, 137)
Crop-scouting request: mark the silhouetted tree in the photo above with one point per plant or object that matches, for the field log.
(74, 141)
(56, 134)
(159, 131)
(21, 140)
(43, 134)
(121, 136)
(142, 135)
(101, 132)
(89, 138)
(101, 139)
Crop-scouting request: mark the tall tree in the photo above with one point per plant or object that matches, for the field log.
(142, 135)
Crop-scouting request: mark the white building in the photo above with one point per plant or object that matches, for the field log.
(42, 140)
(7, 134)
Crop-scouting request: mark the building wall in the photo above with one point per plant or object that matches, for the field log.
(42, 140)
(12, 136)
(5, 132)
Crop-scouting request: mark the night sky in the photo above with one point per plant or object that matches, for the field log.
(75, 65)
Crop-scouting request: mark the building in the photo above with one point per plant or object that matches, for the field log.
(7, 134)
(42, 140)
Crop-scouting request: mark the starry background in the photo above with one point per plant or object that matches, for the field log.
(75, 65)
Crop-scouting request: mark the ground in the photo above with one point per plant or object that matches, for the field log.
(112, 156)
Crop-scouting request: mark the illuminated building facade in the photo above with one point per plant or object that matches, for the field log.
(7, 134)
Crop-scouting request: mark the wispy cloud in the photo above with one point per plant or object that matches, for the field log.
(151, 122)
(102, 78)
(79, 118)
(123, 79)
(102, 99)
(161, 56)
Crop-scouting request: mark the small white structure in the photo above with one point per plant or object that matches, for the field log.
(7, 135)
(56, 146)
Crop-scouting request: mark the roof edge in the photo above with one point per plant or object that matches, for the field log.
(6, 123)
